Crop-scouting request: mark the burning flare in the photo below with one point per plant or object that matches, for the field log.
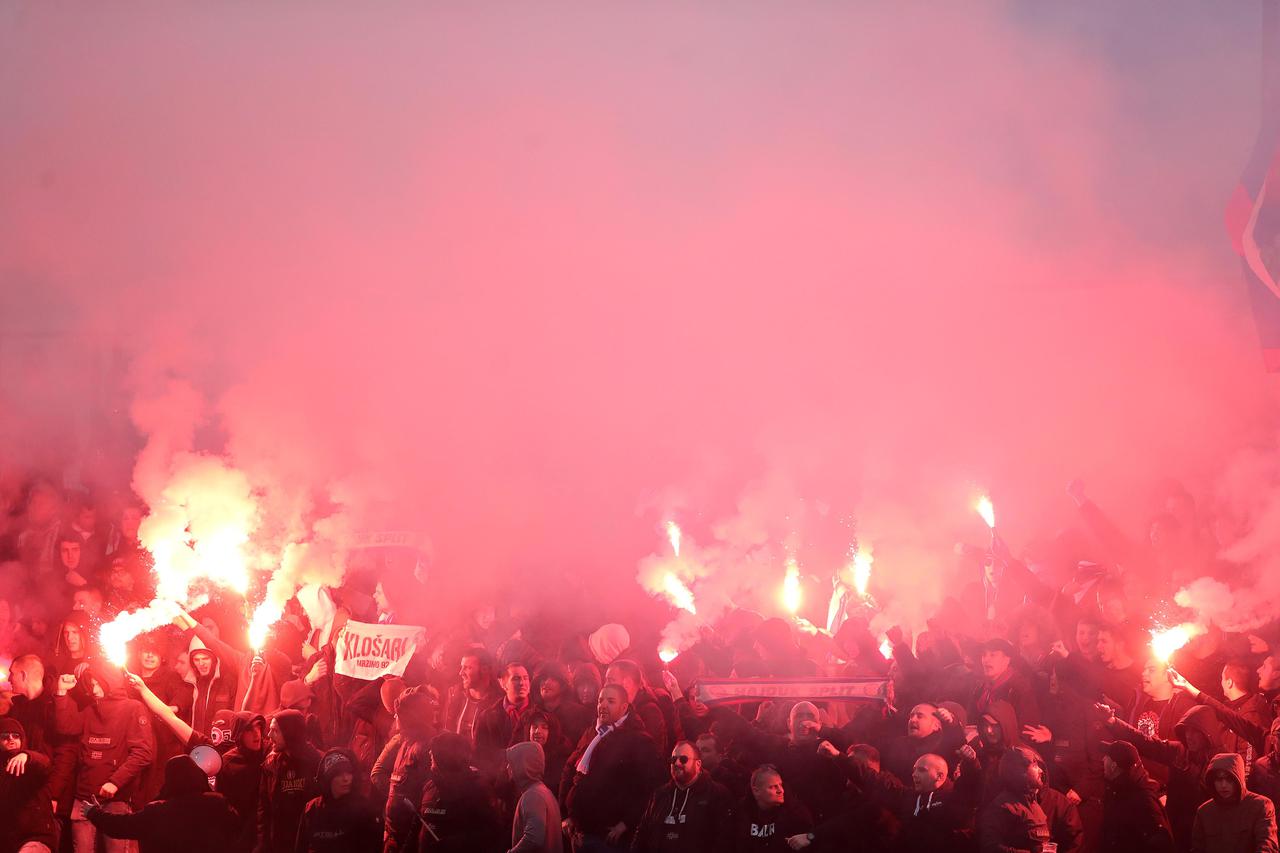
(1166, 641)
(791, 594)
(673, 536)
(678, 593)
(667, 655)
(886, 648)
(862, 571)
(987, 510)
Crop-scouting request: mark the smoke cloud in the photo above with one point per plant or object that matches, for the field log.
(537, 280)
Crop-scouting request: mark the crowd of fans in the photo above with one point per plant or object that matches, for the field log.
(1030, 715)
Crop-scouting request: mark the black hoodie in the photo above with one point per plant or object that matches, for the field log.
(240, 778)
(288, 784)
(26, 814)
(1133, 820)
(349, 825)
(187, 817)
(116, 743)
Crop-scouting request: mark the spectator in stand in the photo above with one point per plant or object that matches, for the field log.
(1245, 712)
(165, 684)
(767, 818)
(257, 676)
(535, 827)
(458, 813)
(123, 538)
(26, 807)
(477, 691)
(75, 573)
(1234, 819)
(692, 813)
(926, 734)
(187, 815)
(418, 720)
(1118, 647)
(122, 592)
(1264, 775)
(1002, 682)
(1133, 819)
(722, 768)
(116, 745)
(541, 727)
(210, 691)
(495, 727)
(554, 691)
(640, 697)
(1014, 820)
(341, 819)
(73, 646)
(288, 783)
(615, 769)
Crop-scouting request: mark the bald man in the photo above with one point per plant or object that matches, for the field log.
(926, 731)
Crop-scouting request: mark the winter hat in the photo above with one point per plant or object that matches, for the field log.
(9, 725)
(608, 642)
(450, 751)
(182, 777)
(805, 709)
(1123, 753)
(334, 763)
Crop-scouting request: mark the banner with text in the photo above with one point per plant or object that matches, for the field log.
(711, 691)
(372, 651)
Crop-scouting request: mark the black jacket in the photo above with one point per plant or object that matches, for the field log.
(756, 830)
(26, 812)
(458, 814)
(624, 771)
(194, 823)
(287, 784)
(1133, 820)
(1014, 820)
(698, 819)
(349, 825)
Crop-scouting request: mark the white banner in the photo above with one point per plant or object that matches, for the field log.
(372, 651)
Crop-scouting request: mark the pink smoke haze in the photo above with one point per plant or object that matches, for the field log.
(538, 279)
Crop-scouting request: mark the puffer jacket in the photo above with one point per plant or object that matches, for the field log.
(1242, 823)
(1014, 820)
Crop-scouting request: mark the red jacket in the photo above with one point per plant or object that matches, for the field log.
(116, 742)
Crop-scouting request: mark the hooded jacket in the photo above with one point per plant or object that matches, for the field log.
(62, 663)
(288, 784)
(187, 817)
(241, 777)
(209, 694)
(250, 692)
(347, 825)
(457, 812)
(1242, 823)
(1133, 820)
(417, 712)
(26, 813)
(116, 742)
(536, 825)
(697, 819)
(1186, 771)
(1014, 820)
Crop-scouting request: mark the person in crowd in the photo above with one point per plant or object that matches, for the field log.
(186, 815)
(1133, 818)
(1264, 775)
(722, 768)
(458, 813)
(1014, 820)
(1245, 713)
(543, 728)
(1002, 682)
(210, 690)
(256, 676)
(692, 813)
(495, 726)
(766, 818)
(288, 783)
(554, 690)
(640, 697)
(477, 691)
(1268, 673)
(1234, 819)
(33, 692)
(615, 769)
(608, 643)
(1060, 813)
(926, 734)
(816, 781)
(341, 819)
(164, 683)
(536, 825)
(73, 646)
(26, 806)
(1161, 704)
(1197, 738)
(115, 746)
(418, 721)
(1118, 647)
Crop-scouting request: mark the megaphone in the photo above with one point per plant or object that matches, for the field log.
(208, 759)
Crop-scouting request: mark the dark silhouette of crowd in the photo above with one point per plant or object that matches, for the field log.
(1028, 714)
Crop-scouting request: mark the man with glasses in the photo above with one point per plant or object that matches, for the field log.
(26, 809)
(690, 814)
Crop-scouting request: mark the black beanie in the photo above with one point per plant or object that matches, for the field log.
(1123, 753)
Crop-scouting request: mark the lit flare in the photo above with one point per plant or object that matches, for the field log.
(987, 510)
(674, 536)
(1166, 641)
(791, 593)
(678, 593)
